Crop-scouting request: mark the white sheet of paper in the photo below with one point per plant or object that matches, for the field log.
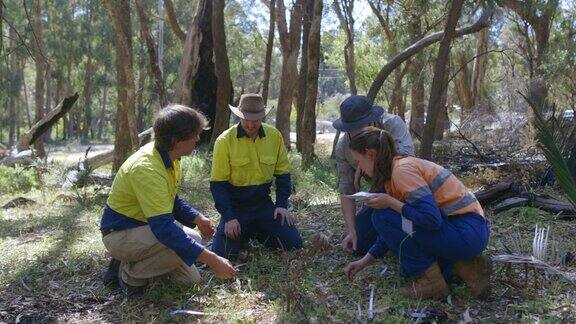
(362, 196)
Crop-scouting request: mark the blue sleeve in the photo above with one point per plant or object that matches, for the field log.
(171, 235)
(283, 189)
(378, 249)
(424, 213)
(184, 213)
(221, 195)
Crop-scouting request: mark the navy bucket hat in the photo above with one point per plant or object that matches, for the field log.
(356, 112)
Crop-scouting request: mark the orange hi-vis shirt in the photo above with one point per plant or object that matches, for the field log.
(415, 180)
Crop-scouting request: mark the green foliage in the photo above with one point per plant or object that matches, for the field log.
(555, 142)
(17, 179)
(316, 183)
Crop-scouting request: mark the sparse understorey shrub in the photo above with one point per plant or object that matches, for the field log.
(17, 179)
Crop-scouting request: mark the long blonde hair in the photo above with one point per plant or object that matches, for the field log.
(383, 143)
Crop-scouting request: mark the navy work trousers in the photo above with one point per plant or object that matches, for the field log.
(258, 223)
(459, 237)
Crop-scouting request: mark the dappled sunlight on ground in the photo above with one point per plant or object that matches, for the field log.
(53, 259)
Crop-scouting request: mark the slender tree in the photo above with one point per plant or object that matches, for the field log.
(126, 134)
(479, 67)
(222, 70)
(1, 28)
(180, 34)
(40, 73)
(309, 111)
(290, 48)
(269, 48)
(344, 10)
(540, 15)
(303, 75)
(89, 72)
(396, 101)
(438, 82)
(14, 90)
(462, 82)
(417, 96)
(153, 58)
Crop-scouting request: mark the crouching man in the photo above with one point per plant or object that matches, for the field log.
(246, 157)
(138, 225)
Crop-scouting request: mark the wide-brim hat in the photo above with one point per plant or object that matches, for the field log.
(356, 112)
(251, 107)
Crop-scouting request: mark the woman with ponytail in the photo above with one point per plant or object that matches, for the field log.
(427, 218)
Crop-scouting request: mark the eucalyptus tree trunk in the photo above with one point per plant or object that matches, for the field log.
(1, 28)
(344, 11)
(153, 58)
(303, 75)
(396, 100)
(40, 73)
(222, 70)
(463, 87)
(101, 120)
(197, 82)
(89, 72)
(269, 48)
(290, 48)
(438, 82)
(180, 34)
(479, 67)
(14, 89)
(540, 17)
(309, 111)
(25, 90)
(126, 134)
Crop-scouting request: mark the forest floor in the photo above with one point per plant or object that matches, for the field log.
(52, 261)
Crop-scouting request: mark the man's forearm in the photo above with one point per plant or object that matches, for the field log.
(348, 207)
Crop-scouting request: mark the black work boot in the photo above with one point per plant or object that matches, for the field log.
(111, 276)
(130, 291)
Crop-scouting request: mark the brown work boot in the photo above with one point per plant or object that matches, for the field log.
(430, 285)
(476, 274)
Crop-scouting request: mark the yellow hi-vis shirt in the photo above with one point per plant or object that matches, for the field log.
(242, 170)
(144, 192)
(144, 186)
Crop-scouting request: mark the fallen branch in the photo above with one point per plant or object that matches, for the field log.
(551, 205)
(107, 157)
(46, 122)
(22, 158)
(495, 192)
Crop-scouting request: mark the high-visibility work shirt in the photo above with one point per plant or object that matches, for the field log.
(429, 191)
(144, 192)
(242, 170)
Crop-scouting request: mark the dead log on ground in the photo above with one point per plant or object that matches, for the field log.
(22, 158)
(96, 161)
(510, 195)
(46, 122)
(562, 209)
(496, 192)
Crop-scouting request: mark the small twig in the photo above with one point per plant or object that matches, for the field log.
(23, 42)
(186, 312)
(24, 285)
(480, 155)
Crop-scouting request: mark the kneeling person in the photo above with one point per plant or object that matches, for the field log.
(138, 224)
(245, 158)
